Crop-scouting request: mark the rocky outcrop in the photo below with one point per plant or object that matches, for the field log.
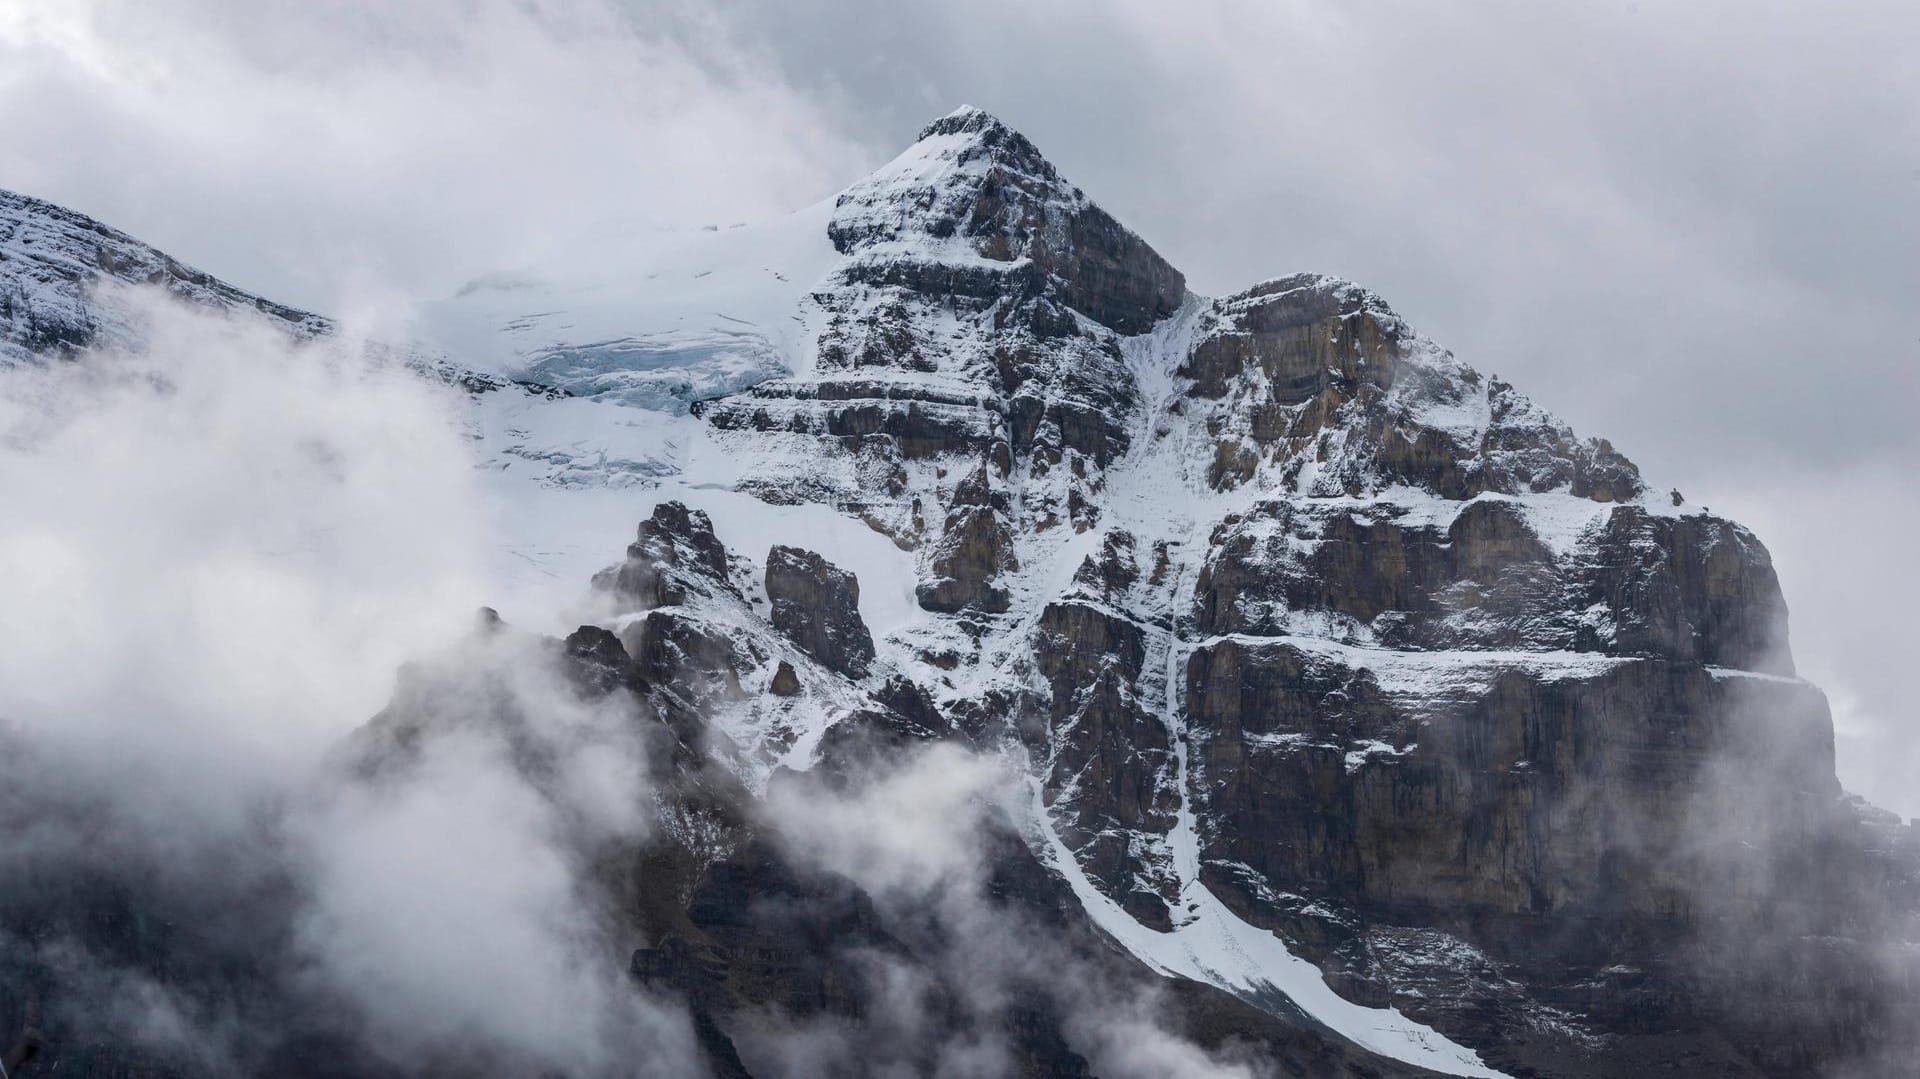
(1313, 370)
(1398, 781)
(1301, 336)
(785, 682)
(817, 605)
(675, 558)
(972, 181)
(1693, 587)
(1600, 833)
(1110, 761)
(1627, 582)
(974, 550)
(974, 324)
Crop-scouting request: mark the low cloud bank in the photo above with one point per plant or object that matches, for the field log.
(222, 549)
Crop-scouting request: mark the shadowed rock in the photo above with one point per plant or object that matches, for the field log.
(785, 682)
(817, 605)
(676, 556)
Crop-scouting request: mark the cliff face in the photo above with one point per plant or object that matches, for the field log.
(1291, 607)
(1344, 677)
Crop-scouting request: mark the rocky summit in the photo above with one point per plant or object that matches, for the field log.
(1363, 718)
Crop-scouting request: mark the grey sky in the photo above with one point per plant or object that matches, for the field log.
(1691, 228)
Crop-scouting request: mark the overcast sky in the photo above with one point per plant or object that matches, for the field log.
(1691, 228)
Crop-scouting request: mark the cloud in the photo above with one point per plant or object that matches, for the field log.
(242, 538)
(907, 830)
(451, 897)
(326, 153)
(922, 833)
(226, 545)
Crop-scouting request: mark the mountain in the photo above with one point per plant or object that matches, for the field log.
(52, 260)
(1366, 717)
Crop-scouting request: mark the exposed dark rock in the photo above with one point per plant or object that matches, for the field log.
(974, 547)
(785, 682)
(1694, 587)
(817, 605)
(1687, 588)
(599, 663)
(1570, 806)
(675, 556)
(1008, 202)
(1303, 334)
(869, 742)
(1535, 793)
(1114, 571)
(698, 661)
(919, 427)
(1110, 777)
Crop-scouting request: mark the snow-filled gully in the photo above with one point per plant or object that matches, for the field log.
(1209, 943)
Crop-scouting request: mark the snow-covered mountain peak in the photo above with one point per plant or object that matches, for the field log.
(54, 262)
(978, 199)
(965, 116)
(971, 208)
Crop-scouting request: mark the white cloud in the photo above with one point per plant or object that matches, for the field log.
(916, 834)
(449, 909)
(222, 548)
(225, 546)
(320, 153)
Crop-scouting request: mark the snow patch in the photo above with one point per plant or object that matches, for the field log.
(700, 315)
(1212, 945)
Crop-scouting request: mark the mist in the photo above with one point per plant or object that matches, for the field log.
(926, 833)
(228, 548)
(243, 538)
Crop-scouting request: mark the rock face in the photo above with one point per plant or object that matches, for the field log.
(758, 942)
(675, 558)
(1345, 678)
(1291, 608)
(1691, 588)
(975, 184)
(786, 682)
(817, 605)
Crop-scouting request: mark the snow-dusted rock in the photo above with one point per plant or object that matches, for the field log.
(54, 262)
(1348, 681)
